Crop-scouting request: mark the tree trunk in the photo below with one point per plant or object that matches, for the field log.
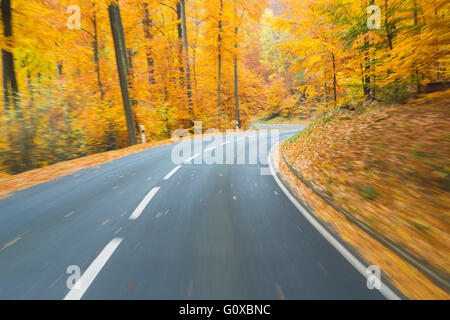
(10, 88)
(415, 12)
(59, 68)
(194, 70)
(187, 62)
(122, 67)
(236, 82)
(180, 44)
(96, 59)
(334, 78)
(131, 80)
(388, 28)
(368, 91)
(130, 68)
(417, 76)
(148, 50)
(219, 68)
(194, 52)
(29, 130)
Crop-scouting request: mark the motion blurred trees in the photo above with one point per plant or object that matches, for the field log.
(217, 61)
(68, 83)
(343, 59)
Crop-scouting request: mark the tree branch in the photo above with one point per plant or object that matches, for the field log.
(166, 5)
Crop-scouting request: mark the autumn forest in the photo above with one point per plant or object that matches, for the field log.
(83, 77)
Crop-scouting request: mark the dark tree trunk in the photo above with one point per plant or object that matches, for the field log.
(194, 55)
(194, 61)
(187, 63)
(219, 68)
(236, 83)
(96, 59)
(389, 34)
(131, 80)
(30, 130)
(368, 91)
(130, 68)
(10, 88)
(59, 68)
(148, 48)
(417, 75)
(180, 44)
(334, 78)
(122, 67)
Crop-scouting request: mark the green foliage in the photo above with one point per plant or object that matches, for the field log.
(369, 192)
(394, 93)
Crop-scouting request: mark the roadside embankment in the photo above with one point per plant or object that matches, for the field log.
(380, 179)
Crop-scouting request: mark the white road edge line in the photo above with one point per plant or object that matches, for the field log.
(167, 177)
(193, 157)
(80, 287)
(137, 212)
(385, 290)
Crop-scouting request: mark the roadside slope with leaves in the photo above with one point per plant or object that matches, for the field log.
(388, 166)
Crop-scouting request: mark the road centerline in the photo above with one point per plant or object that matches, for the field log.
(193, 157)
(210, 148)
(80, 287)
(171, 173)
(137, 212)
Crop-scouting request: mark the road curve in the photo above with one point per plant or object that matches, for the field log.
(144, 227)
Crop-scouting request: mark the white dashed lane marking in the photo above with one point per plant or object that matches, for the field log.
(211, 148)
(80, 287)
(193, 157)
(69, 214)
(171, 173)
(137, 212)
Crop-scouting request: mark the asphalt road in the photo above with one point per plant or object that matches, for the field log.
(144, 227)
